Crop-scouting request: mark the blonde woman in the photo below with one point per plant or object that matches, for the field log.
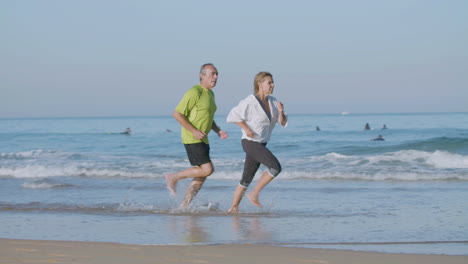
(257, 115)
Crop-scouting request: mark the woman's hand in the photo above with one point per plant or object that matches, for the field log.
(249, 132)
(280, 106)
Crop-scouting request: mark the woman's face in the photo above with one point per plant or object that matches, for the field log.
(266, 86)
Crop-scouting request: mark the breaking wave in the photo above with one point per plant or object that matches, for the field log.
(405, 165)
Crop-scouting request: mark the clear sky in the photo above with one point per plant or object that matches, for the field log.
(138, 57)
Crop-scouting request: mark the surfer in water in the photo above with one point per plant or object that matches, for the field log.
(379, 138)
(127, 131)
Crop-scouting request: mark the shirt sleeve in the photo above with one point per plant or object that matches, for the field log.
(188, 102)
(238, 113)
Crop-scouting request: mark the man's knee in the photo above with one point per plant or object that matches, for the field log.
(206, 169)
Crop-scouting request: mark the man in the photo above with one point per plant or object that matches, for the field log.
(195, 113)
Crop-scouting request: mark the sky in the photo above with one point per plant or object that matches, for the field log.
(138, 57)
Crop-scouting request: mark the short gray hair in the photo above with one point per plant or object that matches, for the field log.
(202, 68)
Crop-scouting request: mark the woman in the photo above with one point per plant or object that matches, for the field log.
(257, 115)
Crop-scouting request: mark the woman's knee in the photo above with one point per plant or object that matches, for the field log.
(275, 170)
(245, 183)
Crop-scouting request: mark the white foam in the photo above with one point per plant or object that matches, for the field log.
(26, 154)
(43, 185)
(379, 176)
(42, 171)
(442, 159)
(437, 159)
(400, 165)
(136, 207)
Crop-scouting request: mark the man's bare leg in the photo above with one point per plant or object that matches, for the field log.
(238, 193)
(171, 183)
(203, 170)
(253, 195)
(192, 190)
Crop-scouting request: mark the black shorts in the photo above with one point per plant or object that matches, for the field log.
(198, 153)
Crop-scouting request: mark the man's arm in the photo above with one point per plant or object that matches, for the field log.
(198, 134)
(221, 133)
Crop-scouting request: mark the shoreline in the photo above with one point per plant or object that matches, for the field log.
(50, 251)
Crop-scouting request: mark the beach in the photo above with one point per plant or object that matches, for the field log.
(46, 251)
(79, 179)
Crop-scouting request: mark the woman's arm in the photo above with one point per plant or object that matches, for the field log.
(246, 128)
(283, 119)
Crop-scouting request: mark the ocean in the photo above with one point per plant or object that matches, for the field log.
(80, 179)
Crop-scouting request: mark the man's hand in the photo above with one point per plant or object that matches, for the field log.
(198, 134)
(222, 134)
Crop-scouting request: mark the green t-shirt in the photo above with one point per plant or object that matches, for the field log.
(198, 106)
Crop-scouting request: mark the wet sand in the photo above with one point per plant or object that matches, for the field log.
(44, 251)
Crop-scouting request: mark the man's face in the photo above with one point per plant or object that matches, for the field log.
(208, 80)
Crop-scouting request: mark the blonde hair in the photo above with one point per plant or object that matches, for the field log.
(259, 78)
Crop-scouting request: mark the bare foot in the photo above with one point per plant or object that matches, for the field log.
(184, 205)
(254, 200)
(233, 210)
(171, 184)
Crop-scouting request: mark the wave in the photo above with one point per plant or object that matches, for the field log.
(380, 176)
(449, 144)
(406, 165)
(208, 208)
(70, 170)
(437, 159)
(195, 208)
(45, 184)
(27, 154)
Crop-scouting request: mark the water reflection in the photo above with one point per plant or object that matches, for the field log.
(193, 229)
(193, 232)
(250, 229)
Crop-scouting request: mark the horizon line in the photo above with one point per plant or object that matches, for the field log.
(149, 116)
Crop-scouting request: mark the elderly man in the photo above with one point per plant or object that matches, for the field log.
(195, 113)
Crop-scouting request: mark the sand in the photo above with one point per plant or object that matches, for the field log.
(34, 251)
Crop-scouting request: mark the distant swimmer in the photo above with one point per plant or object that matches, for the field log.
(367, 127)
(384, 126)
(168, 130)
(127, 131)
(317, 128)
(379, 138)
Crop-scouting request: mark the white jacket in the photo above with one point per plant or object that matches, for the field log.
(251, 112)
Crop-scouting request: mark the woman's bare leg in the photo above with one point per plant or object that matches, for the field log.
(238, 193)
(253, 195)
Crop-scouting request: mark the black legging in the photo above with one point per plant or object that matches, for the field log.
(256, 154)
